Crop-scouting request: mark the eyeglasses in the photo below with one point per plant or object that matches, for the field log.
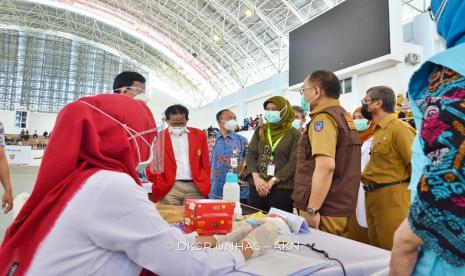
(367, 101)
(302, 89)
(136, 90)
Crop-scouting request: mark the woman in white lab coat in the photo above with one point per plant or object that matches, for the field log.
(89, 215)
(357, 225)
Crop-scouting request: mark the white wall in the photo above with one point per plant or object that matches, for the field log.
(41, 122)
(8, 120)
(246, 102)
(35, 121)
(397, 77)
(254, 105)
(158, 102)
(202, 117)
(251, 99)
(293, 97)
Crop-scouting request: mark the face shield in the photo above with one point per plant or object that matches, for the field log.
(158, 150)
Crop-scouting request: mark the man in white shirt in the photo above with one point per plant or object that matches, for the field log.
(186, 161)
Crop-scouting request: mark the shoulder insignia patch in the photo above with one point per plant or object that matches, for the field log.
(318, 126)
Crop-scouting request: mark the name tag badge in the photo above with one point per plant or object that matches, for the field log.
(270, 170)
(234, 162)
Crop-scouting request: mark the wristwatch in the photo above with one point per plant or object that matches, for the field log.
(274, 179)
(312, 211)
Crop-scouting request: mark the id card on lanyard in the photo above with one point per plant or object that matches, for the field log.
(234, 160)
(270, 171)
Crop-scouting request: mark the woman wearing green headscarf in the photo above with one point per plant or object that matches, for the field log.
(271, 157)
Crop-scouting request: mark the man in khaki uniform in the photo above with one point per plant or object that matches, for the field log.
(387, 174)
(328, 159)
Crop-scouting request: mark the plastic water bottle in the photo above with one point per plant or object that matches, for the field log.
(232, 192)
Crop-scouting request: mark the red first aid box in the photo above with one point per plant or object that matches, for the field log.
(208, 216)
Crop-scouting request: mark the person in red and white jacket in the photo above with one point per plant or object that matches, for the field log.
(186, 171)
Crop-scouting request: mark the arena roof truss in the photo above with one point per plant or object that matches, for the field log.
(203, 49)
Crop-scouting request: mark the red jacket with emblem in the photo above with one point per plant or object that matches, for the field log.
(199, 161)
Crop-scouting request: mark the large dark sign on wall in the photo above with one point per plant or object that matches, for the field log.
(353, 32)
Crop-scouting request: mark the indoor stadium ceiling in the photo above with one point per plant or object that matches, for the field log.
(205, 48)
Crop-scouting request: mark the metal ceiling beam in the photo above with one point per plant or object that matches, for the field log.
(294, 10)
(264, 18)
(215, 47)
(35, 16)
(88, 6)
(211, 24)
(147, 10)
(246, 31)
(245, 54)
(329, 3)
(407, 3)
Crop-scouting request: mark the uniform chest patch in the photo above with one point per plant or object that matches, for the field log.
(318, 126)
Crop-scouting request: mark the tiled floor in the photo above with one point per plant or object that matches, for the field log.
(23, 180)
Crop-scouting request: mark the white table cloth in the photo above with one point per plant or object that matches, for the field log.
(359, 259)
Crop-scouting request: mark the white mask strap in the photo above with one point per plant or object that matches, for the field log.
(133, 134)
(283, 110)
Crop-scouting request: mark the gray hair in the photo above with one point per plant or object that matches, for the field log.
(299, 109)
(386, 94)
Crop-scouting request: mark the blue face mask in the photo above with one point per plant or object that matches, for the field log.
(296, 123)
(361, 124)
(273, 117)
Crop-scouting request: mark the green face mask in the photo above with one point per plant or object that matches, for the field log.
(361, 125)
(304, 104)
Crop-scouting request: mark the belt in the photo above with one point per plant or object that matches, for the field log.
(184, 180)
(368, 187)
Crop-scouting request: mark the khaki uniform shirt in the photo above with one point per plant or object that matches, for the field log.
(323, 131)
(390, 152)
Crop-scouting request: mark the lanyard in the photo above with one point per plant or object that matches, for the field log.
(273, 147)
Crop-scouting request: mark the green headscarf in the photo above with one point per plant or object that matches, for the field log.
(284, 126)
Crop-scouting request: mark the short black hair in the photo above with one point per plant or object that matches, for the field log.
(218, 115)
(126, 79)
(328, 81)
(176, 109)
(386, 94)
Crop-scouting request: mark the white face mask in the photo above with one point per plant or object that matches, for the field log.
(230, 125)
(177, 130)
(141, 165)
(142, 97)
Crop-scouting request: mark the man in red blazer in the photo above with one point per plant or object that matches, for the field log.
(186, 161)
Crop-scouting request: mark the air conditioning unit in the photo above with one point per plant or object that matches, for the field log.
(412, 59)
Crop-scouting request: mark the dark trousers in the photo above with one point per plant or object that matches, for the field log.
(278, 198)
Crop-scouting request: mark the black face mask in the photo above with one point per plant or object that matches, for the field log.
(365, 113)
